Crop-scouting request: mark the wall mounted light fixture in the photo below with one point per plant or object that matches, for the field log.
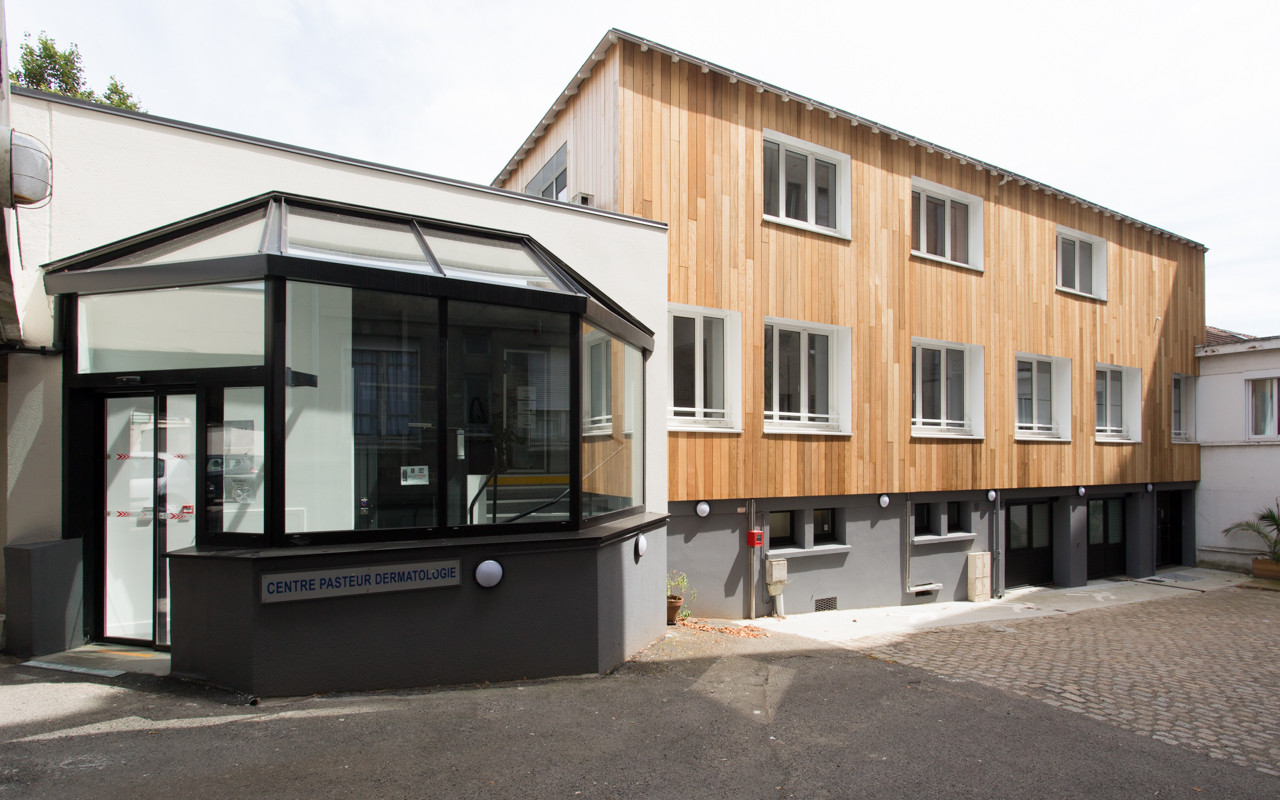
(488, 573)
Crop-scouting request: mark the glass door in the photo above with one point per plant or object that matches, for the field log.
(150, 482)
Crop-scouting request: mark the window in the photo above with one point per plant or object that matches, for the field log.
(1184, 408)
(806, 531)
(951, 518)
(1117, 403)
(1082, 263)
(781, 530)
(824, 526)
(386, 389)
(946, 224)
(1043, 392)
(552, 181)
(597, 386)
(946, 391)
(804, 363)
(705, 368)
(806, 185)
(1264, 395)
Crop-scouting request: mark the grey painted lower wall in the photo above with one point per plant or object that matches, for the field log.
(562, 610)
(879, 556)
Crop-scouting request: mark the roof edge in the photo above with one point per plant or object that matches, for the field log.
(191, 127)
(1249, 345)
(614, 35)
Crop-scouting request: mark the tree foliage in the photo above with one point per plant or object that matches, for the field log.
(43, 66)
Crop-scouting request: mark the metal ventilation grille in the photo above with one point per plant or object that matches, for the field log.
(824, 604)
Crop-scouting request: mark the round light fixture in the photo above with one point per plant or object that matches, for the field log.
(991, 495)
(884, 501)
(1149, 488)
(703, 508)
(488, 573)
(1080, 491)
(642, 545)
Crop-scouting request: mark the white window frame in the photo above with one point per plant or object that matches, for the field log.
(1130, 429)
(1253, 381)
(844, 184)
(974, 203)
(1098, 267)
(972, 425)
(1059, 427)
(696, 418)
(593, 383)
(1182, 398)
(839, 381)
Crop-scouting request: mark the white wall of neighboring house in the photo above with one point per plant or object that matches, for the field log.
(118, 174)
(1239, 474)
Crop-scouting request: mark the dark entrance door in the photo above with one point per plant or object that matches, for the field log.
(1168, 528)
(1106, 537)
(1028, 544)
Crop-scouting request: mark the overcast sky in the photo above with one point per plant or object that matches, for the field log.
(1166, 111)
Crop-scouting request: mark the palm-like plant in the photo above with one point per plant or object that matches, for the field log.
(1266, 523)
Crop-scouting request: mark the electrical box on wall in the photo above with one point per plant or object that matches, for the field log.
(755, 538)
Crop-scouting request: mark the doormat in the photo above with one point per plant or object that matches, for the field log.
(103, 673)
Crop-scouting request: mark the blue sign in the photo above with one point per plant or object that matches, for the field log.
(282, 587)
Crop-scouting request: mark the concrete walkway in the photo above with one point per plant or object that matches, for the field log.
(890, 622)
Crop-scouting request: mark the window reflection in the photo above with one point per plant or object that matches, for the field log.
(612, 428)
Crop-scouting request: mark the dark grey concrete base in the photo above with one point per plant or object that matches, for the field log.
(561, 609)
(45, 591)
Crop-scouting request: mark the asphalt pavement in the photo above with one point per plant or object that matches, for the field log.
(709, 711)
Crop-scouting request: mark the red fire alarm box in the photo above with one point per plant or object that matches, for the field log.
(755, 538)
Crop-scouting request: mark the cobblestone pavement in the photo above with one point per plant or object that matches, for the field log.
(1201, 671)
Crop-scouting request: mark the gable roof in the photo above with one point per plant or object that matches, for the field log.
(614, 36)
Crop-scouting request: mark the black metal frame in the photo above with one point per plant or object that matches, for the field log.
(83, 394)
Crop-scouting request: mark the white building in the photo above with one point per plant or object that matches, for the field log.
(1237, 398)
(125, 185)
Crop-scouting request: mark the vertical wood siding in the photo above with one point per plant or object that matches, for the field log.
(689, 154)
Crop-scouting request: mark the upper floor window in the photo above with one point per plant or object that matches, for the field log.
(705, 368)
(946, 224)
(552, 181)
(804, 363)
(1264, 407)
(946, 389)
(806, 185)
(1184, 408)
(1043, 394)
(1082, 263)
(1118, 403)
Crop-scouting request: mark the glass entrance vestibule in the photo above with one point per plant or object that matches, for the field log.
(294, 387)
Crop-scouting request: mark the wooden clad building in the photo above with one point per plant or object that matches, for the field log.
(888, 356)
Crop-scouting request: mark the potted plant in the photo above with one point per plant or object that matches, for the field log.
(1266, 523)
(677, 590)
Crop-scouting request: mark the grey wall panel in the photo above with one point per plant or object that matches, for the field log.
(712, 552)
(544, 618)
(45, 585)
(633, 610)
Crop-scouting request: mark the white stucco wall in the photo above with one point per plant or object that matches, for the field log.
(115, 176)
(1238, 475)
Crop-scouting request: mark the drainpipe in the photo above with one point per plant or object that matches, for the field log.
(994, 541)
(752, 561)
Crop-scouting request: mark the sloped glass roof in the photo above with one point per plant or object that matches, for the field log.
(283, 225)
